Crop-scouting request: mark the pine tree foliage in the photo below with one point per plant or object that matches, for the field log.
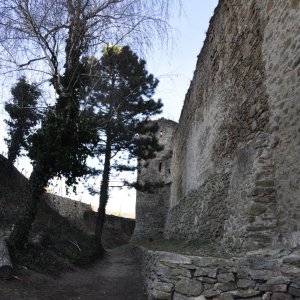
(23, 116)
(119, 97)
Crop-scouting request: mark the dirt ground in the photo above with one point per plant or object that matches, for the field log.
(114, 277)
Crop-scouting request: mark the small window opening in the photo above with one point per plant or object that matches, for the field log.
(169, 171)
(159, 167)
(161, 134)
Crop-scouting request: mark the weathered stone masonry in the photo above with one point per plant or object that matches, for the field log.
(235, 167)
(172, 276)
(151, 209)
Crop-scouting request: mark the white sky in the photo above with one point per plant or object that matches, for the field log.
(174, 68)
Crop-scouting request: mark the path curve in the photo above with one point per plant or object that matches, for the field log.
(116, 277)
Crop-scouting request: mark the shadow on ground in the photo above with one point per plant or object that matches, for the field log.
(116, 277)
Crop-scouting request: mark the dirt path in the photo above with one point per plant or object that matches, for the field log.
(116, 277)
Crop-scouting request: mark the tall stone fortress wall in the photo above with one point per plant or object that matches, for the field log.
(152, 208)
(236, 152)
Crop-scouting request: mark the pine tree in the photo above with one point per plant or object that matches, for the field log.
(23, 117)
(120, 98)
(51, 38)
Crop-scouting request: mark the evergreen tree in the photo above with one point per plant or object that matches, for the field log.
(62, 144)
(51, 38)
(120, 99)
(23, 116)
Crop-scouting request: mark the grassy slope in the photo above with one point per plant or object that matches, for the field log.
(55, 244)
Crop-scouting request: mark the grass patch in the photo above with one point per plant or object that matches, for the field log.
(193, 247)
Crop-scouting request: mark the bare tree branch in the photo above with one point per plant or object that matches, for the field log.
(31, 61)
(50, 37)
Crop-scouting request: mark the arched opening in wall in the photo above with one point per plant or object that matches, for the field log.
(160, 167)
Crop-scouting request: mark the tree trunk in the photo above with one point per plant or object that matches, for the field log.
(6, 267)
(35, 188)
(103, 196)
(15, 146)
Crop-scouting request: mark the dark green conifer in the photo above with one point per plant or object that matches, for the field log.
(120, 98)
(23, 117)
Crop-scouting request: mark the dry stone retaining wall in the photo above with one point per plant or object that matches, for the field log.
(269, 275)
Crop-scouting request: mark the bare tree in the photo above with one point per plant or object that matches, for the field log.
(34, 33)
(51, 37)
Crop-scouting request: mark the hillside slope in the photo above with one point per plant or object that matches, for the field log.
(55, 242)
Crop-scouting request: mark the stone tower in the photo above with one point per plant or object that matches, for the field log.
(151, 208)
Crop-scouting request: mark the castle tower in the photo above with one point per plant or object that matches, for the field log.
(152, 208)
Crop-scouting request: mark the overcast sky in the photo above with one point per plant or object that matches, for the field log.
(174, 67)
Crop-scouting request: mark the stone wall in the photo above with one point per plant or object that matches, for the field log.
(269, 275)
(151, 208)
(281, 56)
(235, 167)
(72, 210)
(83, 217)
